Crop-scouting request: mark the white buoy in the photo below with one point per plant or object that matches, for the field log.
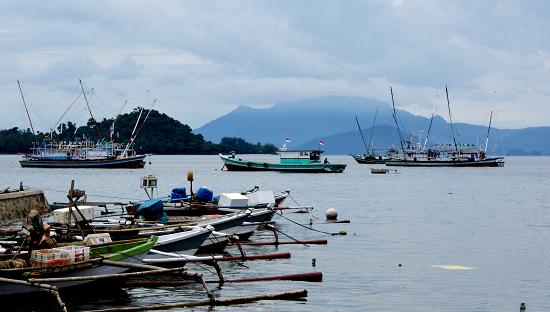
(331, 214)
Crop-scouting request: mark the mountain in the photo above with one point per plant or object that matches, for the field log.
(332, 119)
(300, 120)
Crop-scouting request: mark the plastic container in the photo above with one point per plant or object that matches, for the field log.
(233, 200)
(97, 239)
(204, 194)
(61, 216)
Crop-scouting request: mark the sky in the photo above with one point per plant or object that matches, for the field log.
(202, 59)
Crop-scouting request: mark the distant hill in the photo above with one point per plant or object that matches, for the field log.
(332, 119)
(159, 134)
(300, 120)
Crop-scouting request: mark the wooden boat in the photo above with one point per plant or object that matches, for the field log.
(83, 153)
(447, 162)
(304, 161)
(446, 155)
(128, 162)
(379, 170)
(185, 242)
(132, 252)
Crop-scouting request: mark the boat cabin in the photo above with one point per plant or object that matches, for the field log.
(300, 157)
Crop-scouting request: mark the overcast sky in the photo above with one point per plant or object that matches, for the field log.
(201, 59)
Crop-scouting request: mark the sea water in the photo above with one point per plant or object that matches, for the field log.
(425, 239)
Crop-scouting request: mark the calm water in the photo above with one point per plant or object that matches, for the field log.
(494, 220)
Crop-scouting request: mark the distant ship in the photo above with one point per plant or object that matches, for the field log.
(443, 155)
(82, 153)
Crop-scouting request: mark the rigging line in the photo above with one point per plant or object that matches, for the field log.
(397, 123)
(88, 105)
(451, 120)
(66, 111)
(431, 121)
(305, 227)
(372, 130)
(361, 132)
(25, 104)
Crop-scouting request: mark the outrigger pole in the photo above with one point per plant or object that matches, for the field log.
(451, 120)
(372, 130)
(25, 104)
(91, 115)
(362, 137)
(396, 123)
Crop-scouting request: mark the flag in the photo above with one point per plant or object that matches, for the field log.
(287, 140)
(321, 142)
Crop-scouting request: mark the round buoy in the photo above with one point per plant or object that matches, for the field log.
(331, 214)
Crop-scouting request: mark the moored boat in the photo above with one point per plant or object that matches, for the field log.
(304, 161)
(131, 252)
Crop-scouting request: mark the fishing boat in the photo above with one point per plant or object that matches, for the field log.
(183, 242)
(443, 155)
(304, 161)
(370, 157)
(83, 153)
(131, 252)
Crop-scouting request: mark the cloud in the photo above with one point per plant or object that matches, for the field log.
(202, 59)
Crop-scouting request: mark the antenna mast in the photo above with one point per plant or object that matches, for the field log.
(25, 104)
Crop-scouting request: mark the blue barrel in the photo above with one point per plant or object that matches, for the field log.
(204, 194)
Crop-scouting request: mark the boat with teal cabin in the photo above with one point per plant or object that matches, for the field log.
(308, 161)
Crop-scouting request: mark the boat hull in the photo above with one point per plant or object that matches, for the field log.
(232, 164)
(131, 255)
(133, 162)
(369, 160)
(182, 242)
(489, 162)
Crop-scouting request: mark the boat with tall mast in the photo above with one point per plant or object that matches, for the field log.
(369, 157)
(84, 153)
(444, 155)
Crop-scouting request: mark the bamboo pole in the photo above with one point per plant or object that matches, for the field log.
(303, 277)
(286, 295)
(42, 287)
(301, 242)
(102, 276)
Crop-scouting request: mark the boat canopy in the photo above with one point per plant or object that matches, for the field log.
(300, 156)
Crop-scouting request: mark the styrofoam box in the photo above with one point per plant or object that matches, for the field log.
(261, 198)
(62, 215)
(233, 200)
(97, 239)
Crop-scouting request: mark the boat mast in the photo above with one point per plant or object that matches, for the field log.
(372, 130)
(88, 105)
(429, 127)
(25, 104)
(396, 123)
(451, 120)
(132, 135)
(362, 137)
(488, 131)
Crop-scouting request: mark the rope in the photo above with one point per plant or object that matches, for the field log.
(306, 227)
